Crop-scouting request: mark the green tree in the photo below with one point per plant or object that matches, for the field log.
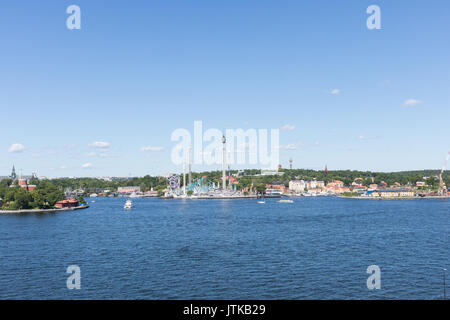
(46, 195)
(261, 188)
(22, 199)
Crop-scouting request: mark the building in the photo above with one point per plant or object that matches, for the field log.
(314, 184)
(421, 184)
(395, 185)
(273, 192)
(392, 193)
(128, 190)
(359, 189)
(23, 183)
(297, 186)
(336, 187)
(70, 203)
(336, 183)
(275, 189)
(357, 182)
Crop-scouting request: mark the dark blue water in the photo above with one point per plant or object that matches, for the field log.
(315, 248)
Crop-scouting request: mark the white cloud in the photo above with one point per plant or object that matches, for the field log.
(361, 137)
(411, 102)
(100, 145)
(87, 166)
(16, 148)
(148, 148)
(335, 91)
(288, 127)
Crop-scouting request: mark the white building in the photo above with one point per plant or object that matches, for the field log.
(297, 186)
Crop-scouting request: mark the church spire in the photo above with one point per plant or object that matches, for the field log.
(13, 173)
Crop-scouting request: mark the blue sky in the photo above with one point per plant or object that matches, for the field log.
(136, 71)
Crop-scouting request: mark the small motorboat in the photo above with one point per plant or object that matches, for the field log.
(262, 202)
(286, 201)
(128, 205)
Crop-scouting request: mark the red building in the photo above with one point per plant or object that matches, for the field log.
(23, 183)
(70, 203)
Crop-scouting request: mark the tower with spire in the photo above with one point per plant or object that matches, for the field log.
(13, 174)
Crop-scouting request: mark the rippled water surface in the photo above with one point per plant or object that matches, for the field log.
(314, 248)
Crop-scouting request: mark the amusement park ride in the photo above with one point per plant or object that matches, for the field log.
(201, 186)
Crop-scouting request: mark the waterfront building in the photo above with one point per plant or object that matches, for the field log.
(273, 192)
(297, 186)
(275, 189)
(359, 189)
(128, 190)
(314, 184)
(336, 183)
(392, 193)
(69, 203)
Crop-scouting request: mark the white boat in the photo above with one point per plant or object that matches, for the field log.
(94, 195)
(286, 201)
(262, 202)
(128, 205)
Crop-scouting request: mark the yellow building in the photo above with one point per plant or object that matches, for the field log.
(393, 193)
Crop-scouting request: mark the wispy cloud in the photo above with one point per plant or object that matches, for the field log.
(411, 102)
(287, 127)
(148, 148)
(87, 166)
(16, 148)
(362, 137)
(335, 91)
(102, 154)
(100, 145)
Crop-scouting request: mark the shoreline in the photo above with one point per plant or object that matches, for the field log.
(395, 198)
(219, 197)
(28, 211)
